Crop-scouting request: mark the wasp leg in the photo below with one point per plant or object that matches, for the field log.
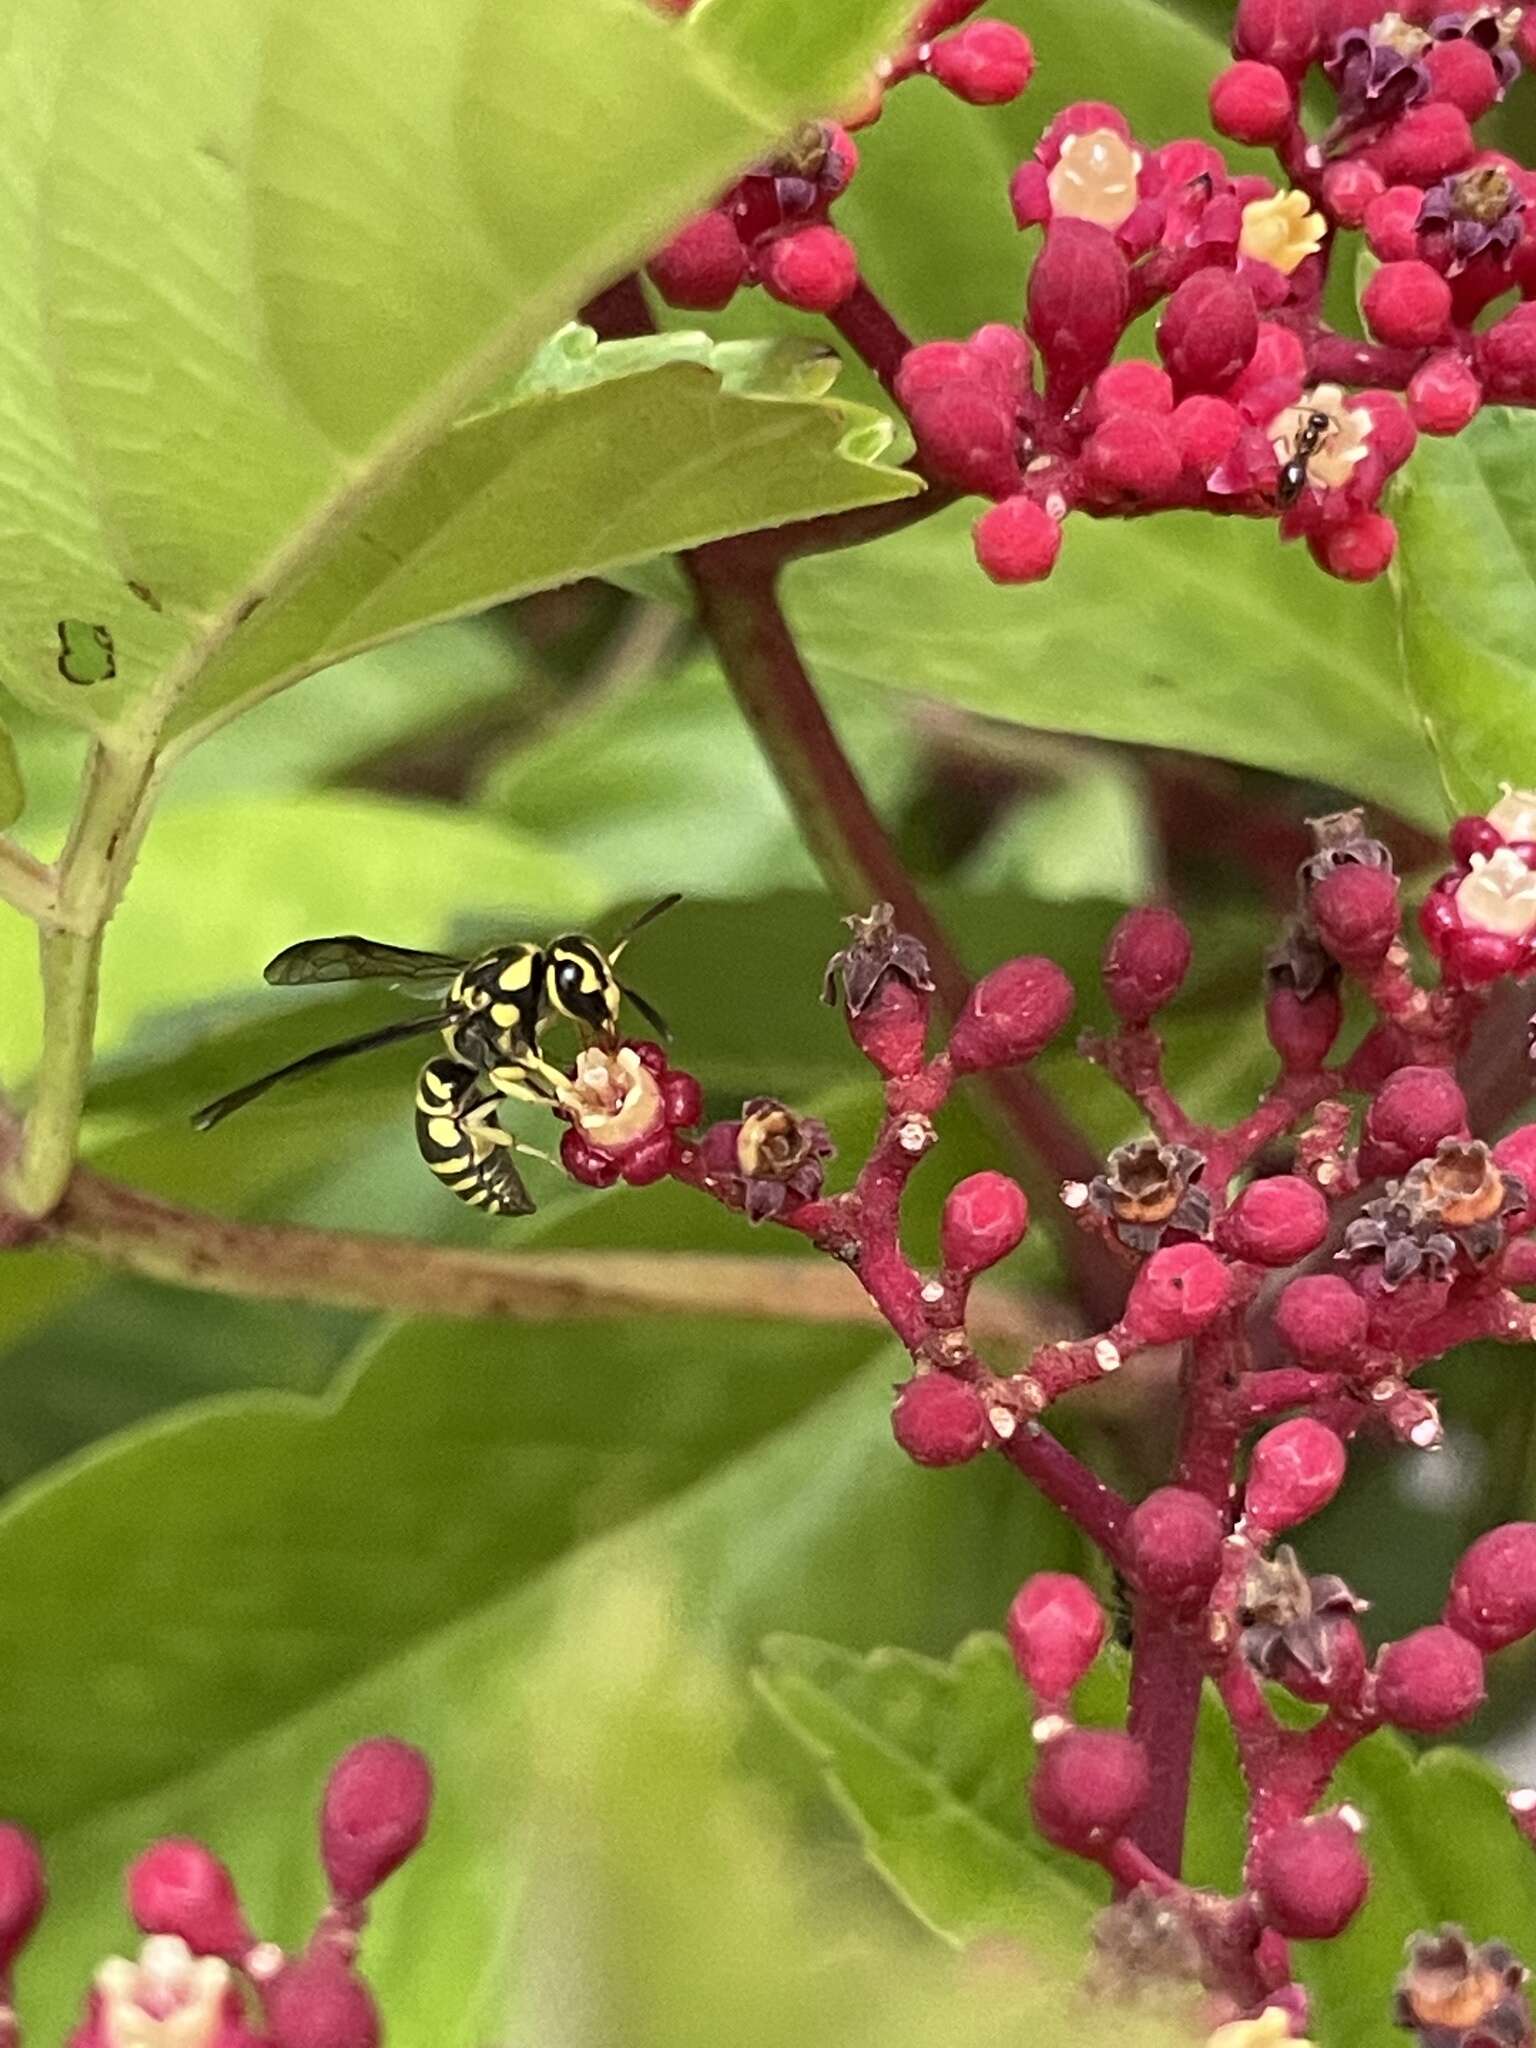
(457, 1135)
(487, 1131)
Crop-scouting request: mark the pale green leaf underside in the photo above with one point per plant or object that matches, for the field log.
(256, 256)
(1466, 586)
(549, 488)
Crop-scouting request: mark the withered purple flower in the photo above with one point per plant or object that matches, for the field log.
(1148, 1190)
(768, 1156)
(877, 948)
(1289, 1618)
(1300, 963)
(1474, 211)
(1455, 1995)
(1376, 72)
(1340, 841)
(1451, 1204)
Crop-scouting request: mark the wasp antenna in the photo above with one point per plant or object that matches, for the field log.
(657, 909)
(653, 1017)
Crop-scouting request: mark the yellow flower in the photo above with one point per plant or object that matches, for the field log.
(1094, 178)
(1272, 2029)
(1283, 231)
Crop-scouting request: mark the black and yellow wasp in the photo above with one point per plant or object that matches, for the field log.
(494, 1011)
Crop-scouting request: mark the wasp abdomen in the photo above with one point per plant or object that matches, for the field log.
(459, 1137)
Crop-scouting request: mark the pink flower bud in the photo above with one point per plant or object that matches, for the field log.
(1516, 1154)
(1003, 353)
(682, 1098)
(1278, 32)
(1425, 144)
(1443, 394)
(985, 1218)
(1295, 1469)
(1029, 194)
(1134, 452)
(1506, 357)
(1209, 331)
(938, 1420)
(1311, 1877)
(1056, 1628)
(1413, 1110)
(1145, 962)
(968, 434)
(1302, 1028)
(1463, 73)
(814, 269)
(1393, 434)
(702, 266)
(1180, 1289)
(377, 1803)
(1011, 1014)
(1392, 223)
(891, 1029)
(23, 1891)
(179, 1887)
(1081, 117)
(1017, 541)
(584, 1163)
(1323, 1320)
(1274, 1222)
(1206, 430)
(1357, 550)
(986, 64)
(1407, 304)
(1429, 1681)
(1089, 1785)
(1252, 103)
(318, 2003)
(1132, 386)
(648, 1161)
(1079, 301)
(1175, 1538)
(1356, 913)
(930, 367)
(1275, 376)
(1492, 1600)
(1349, 186)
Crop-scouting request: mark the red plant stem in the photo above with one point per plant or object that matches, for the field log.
(1073, 1487)
(1284, 1103)
(1271, 1393)
(1336, 359)
(871, 331)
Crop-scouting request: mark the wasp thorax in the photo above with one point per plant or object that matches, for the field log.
(613, 1097)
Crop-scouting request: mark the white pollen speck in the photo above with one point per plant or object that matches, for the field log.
(1074, 1194)
(932, 1291)
(915, 1135)
(265, 1960)
(1106, 1356)
(1048, 1727)
(1056, 505)
(1353, 1819)
(1426, 1434)
(1523, 1799)
(1003, 1422)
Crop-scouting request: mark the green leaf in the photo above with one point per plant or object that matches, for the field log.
(327, 232)
(12, 790)
(1466, 590)
(570, 481)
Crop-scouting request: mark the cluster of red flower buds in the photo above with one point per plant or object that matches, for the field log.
(1256, 406)
(202, 1979)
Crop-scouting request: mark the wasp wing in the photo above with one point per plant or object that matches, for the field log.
(350, 958)
(312, 1062)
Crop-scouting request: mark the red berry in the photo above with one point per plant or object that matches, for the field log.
(1145, 962)
(179, 1887)
(1132, 386)
(1206, 430)
(1302, 1028)
(1444, 394)
(584, 1163)
(1056, 1628)
(1011, 1014)
(1356, 914)
(316, 2002)
(23, 1891)
(985, 64)
(1349, 186)
(1506, 357)
(939, 15)
(814, 269)
(1311, 1877)
(1429, 1681)
(1492, 1599)
(1079, 301)
(968, 432)
(1089, 1785)
(1407, 304)
(1295, 1469)
(1209, 331)
(1180, 1289)
(1412, 1111)
(1426, 143)
(1516, 1154)
(648, 1161)
(702, 266)
(1017, 541)
(985, 1218)
(1357, 550)
(1252, 103)
(1029, 194)
(1134, 452)
(683, 1099)
(1322, 1320)
(1463, 73)
(1279, 32)
(1175, 1538)
(1392, 223)
(1274, 1221)
(938, 1420)
(377, 1803)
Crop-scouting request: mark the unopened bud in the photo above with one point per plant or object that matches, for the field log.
(374, 1815)
(985, 1218)
(1296, 1469)
(939, 1420)
(1145, 962)
(1429, 1681)
(318, 2003)
(1492, 1599)
(1413, 1110)
(1275, 1221)
(1322, 1319)
(1180, 1289)
(1209, 331)
(1356, 913)
(1311, 1877)
(23, 1891)
(1010, 1015)
(1089, 1785)
(1079, 301)
(179, 1887)
(1175, 1538)
(1056, 1629)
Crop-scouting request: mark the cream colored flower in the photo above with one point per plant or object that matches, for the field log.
(1499, 895)
(169, 1998)
(1345, 442)
(1514, 815)
(614, 1095)
(1282, 232)
(1272, 2029)
(1406, 37)
(1095, 178)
